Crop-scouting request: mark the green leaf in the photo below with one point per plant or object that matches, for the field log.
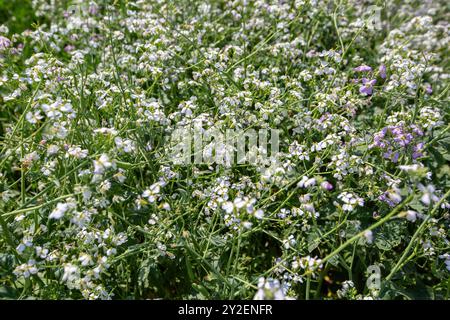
(8, 293)
(389, 236)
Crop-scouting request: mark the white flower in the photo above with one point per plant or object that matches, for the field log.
(289, 242)
(306, 182)
(153, 220)
(259, 214)
(30, 157)
(110, 131)
(428, 194)
(52, 149)
(71, 273)
(77, 152)
(350, 201)
(269, 289)
(346, 288)
(102, 164)
(446, 256)
(238, 204)
(228, 207)
(411, 215)
(34, 117)
(412, 167)
(247, 224)
(125, 145)
(41, 252)
(85, 259)
(368, 234)
(119, 176)
(152, 192)
(60, 210)
(26, 269)
(104, 186)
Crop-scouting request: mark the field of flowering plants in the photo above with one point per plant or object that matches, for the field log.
(241, 149)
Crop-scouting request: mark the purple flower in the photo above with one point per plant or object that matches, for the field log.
(400, 136)
(383, 197)
(382, 71)
(391, 156)
(396, 130)
(378, 139)
(363, 68)
(403, 139)
(417, 130)
(391, 197)
(324, 117)
(417, 150)
(395, 157)
(429, 89)
(367, 87)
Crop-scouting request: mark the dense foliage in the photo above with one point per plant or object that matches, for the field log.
(92, 205)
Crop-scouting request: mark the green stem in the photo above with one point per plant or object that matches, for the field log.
(412, 242)
(361, 234)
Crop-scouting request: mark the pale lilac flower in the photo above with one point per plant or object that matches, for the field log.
(124, 144)
(52, 149)
(228, 207)
(326, 186)
(446, 256)
(4, 43)
(93, 9)
(69, 48)
(378, 138)
(77, 152)
(85, 259)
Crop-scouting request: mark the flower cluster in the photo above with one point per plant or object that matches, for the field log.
(95, 204)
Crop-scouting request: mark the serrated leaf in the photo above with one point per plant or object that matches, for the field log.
(389, 236)
(313, 241)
